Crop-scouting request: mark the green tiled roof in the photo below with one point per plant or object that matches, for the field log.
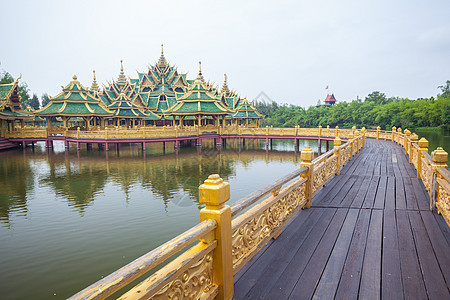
(5, 89)
(246, 110)
(75, 100)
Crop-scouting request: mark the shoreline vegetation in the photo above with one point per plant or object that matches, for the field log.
(375, 110)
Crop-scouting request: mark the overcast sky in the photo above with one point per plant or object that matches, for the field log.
(291, 50)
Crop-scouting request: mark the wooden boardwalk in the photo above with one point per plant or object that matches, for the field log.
(369, 235)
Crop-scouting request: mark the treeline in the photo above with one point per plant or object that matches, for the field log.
(24, 92)
(376, 109)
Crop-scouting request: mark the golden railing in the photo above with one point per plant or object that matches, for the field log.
(228, 236)
(431, 169)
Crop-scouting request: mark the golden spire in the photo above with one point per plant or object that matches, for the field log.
(94, 86)
(225, 89)
(200, 78)
(162, 63)
(122, 80)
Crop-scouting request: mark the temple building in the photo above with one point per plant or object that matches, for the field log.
(246, 115)
(200, 102)
(159, 96)
(75, 101)
(330, 100)
(10, 110)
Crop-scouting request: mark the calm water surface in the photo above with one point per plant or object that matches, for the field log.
(436, 138)
(67, 218)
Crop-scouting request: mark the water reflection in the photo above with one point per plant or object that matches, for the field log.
(78, 177)
(16, 181)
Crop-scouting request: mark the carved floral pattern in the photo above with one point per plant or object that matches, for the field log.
(247, 237)
(443, 203)
(345, 155)
(426, 175)
(324, 173)
(194, 283)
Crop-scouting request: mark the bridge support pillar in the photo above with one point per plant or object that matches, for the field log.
(218, 142)
(214, 193)
(267, 143)
(78, 146)
(66, 144)
(199, 142)
(143, 146)
(176, 145)
(106, 146)
(24, 144)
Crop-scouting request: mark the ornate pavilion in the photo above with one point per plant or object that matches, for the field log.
(10, 110)
(159, 96)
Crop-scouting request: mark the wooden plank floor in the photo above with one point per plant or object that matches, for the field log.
(368, 235)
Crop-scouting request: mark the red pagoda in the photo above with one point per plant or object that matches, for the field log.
(330, 100)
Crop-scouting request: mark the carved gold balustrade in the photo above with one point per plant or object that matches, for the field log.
(227, 237)
(431, 169)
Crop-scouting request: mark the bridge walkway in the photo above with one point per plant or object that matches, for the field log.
(369, 234)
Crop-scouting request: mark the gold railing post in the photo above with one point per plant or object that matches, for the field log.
(394, 131)
(353, 130)
(320, 131)
(78, 133)
(413, 139)
(358, 140)
(267, 130)
(328, 130)
(337, 131)
(214, 193)
(407, 141)
(399, 134)
(350, 137)
(337, 146)
(423, 146)
(378, 132)
(306, 157)
(439, 158)
(363, 137)
(106, 133)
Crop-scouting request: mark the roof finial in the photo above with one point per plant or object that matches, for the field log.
(74, 77)
(200, 78)
(225, 88)
(94, 86)
(122, 79)
(162, 49)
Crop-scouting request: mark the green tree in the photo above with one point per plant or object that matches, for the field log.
(34, 102)
(445, 89)
(45, 99)
(377, 97)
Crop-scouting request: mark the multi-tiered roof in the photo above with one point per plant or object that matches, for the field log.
(198, 101)
(75, 100)
(10, 102)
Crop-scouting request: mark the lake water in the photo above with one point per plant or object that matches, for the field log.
(436, 138)
(67, 218)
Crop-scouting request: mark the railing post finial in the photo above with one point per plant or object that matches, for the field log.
(214, 193)
(337, 131)
(378, 132)
(394, 131)
(306, 157)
